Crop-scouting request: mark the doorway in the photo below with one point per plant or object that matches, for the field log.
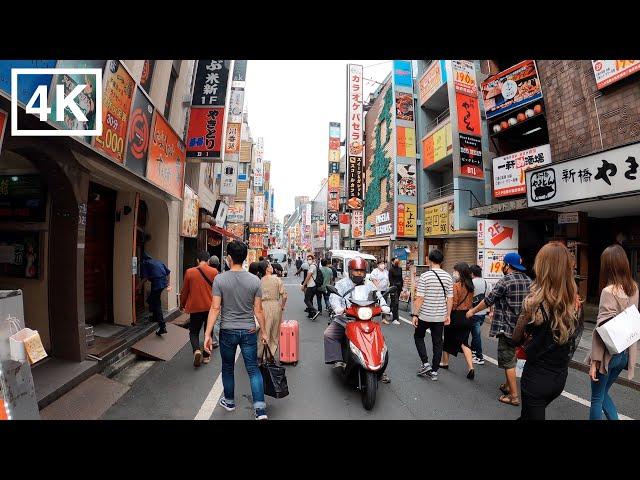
(141, 238)
(98, 255)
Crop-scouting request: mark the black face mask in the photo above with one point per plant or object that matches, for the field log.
(357, 280)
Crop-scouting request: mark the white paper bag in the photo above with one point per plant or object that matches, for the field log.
(519, 367)
(16, 344)
(621, 331)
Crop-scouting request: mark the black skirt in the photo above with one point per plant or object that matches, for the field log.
(457, 333)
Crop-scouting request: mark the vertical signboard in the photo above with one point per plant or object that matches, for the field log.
(166, 161)
(139, 133)
(233, 139)
(258, 168)
(354, 139)
(468, 112)
(258, 209)
(190, 209)
(210, 87)
(405, 199)
(333, 186)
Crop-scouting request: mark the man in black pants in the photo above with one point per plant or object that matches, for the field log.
(432, 310)
(395, 279)
(158, 275)
(309, 288)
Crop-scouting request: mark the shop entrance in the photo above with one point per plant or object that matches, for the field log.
(141, 239)
(98, 255)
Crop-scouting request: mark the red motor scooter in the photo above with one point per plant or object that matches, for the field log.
(364, 348)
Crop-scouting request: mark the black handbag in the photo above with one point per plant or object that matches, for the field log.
(273, 376)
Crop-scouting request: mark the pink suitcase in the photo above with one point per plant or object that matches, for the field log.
(289, 341)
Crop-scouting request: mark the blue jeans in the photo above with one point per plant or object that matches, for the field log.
(476, 339)
(600, 399)
(248, 342)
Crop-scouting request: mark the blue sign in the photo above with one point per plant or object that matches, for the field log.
(242, 177)
(402, 76)
(27, 83)
(401, 253)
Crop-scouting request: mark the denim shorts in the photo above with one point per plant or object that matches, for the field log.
(506, 353)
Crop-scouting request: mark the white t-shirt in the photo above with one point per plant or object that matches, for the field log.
(312, 271)
(480, 285)
(382, 277)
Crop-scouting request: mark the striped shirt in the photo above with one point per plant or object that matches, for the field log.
(434, 306)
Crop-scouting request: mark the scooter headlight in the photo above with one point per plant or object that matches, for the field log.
(365, 313)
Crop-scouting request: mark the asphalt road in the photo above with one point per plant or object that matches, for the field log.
(177, 390)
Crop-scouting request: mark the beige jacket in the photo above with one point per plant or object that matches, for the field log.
(611, 303)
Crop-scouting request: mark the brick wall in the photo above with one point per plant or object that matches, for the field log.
(569, 90)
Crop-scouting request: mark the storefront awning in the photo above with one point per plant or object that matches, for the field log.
(224, 233)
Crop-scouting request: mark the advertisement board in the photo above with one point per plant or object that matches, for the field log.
(166, 162)
(355, 136)
(433, 78)
(498, 234)
(612, 71)
(512, 88)
(204, 136)
(470, 156)
(509, 170)
(190, 209)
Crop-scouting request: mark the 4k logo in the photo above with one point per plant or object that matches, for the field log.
(67, 105)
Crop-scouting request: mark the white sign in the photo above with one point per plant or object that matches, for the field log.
(221, 213)
(357, 223)
(236, 213)
(491, 262)
(569, 217)
(464, 76)
(229, 178)
(605, 173)
(611, 71)
(501, 234)
(355, 99)
(335, 239)
(509, 171)
(258, 167)
(236, 104)
(382, 218)
(382, 229)
(258, 209)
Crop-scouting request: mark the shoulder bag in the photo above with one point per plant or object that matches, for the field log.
(622, 330)
(459, 317)
(205, 277)
(273, 375)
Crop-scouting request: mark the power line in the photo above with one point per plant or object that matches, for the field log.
(376, 64)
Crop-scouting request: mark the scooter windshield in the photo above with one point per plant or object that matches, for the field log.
(363, 296)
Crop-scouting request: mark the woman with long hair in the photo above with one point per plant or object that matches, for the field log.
(456, 334)
(620, 292)
(274, 299)
(549, 326)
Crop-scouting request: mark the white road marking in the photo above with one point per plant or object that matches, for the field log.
(210, 403)
(565, 394)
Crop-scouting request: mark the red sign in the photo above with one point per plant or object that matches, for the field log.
(427, 152)
(165, 165)
(468, 114)
(204, 137)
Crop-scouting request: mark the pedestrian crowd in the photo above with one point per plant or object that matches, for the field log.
(540, 320)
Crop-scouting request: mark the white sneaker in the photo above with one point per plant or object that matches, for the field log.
(396, 322)
(478, 361)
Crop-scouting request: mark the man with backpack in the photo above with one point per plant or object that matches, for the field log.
(309, 287)
(323, 278)
(432, 310)
(195, 299)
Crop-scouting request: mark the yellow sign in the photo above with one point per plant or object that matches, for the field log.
(436, 220)
(410, 217)
(334, 180)
(334, 155)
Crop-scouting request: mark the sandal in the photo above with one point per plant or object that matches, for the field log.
(504, 388)
(515, 401)
(444, 366)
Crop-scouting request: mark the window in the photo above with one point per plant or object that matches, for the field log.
(172, 86)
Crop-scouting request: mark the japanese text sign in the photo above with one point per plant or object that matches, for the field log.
(612, 71)
(354, 139)
(470, 156)
(512, 88)
(166, 162)
(210, 88)
(204, 137)
(605, 173)
(433, 78)
(509, 170)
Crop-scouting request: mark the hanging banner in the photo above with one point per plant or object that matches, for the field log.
(335, 239)
(210, 87)
(190, 209)
(468, 115)
(333, 187)
(354, 139)
(357, 224)
(116, 104)
(407, 216)
(258, 168)
(236, 105)
(139, 134)
(204, 137)
(229, 178)
(258, 209)
(232, 145)
(166, 163)
(512, 88)
(236, 213)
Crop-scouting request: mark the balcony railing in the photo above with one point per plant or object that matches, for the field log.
(443, 191)
(436, 121)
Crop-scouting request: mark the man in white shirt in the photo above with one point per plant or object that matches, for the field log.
(380, 277)
(309, 287)
(432, 310)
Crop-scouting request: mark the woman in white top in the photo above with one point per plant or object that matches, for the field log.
(480, 290)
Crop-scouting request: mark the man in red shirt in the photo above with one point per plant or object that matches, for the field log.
(195, 299)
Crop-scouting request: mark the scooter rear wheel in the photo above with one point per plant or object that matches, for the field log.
(369, 391)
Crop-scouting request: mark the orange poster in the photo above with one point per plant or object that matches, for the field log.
(427, 152)
(118, 93)
(468, 114)
(165, 165)
(406, 142)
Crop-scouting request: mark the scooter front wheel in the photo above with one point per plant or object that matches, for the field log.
(370, 390)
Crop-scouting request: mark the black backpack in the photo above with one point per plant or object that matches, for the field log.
(319, 277)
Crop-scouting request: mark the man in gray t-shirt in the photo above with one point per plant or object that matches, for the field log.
(237, 297)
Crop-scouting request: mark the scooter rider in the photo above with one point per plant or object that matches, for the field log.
(335, 332)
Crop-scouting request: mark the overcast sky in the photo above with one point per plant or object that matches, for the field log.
(290, 104)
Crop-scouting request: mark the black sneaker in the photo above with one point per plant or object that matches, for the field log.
(161, 331)
(433, 375)
(261, 414)
(424, 369)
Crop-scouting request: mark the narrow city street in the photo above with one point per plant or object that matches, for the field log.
(177, 390)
